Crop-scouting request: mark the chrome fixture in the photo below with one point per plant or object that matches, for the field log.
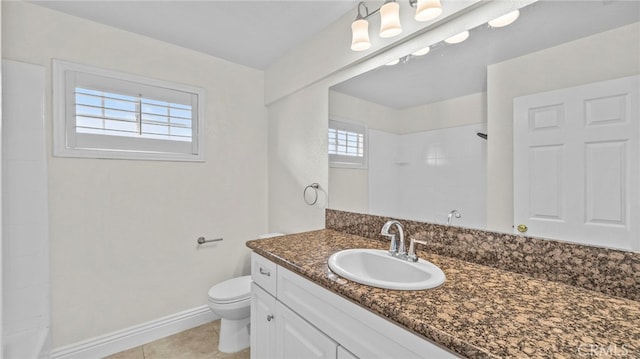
(397, 243)
(202, 240)
(389, 20)
(412, 256)
(314, 187)
(452, 214)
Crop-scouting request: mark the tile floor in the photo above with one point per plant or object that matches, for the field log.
(197, 343)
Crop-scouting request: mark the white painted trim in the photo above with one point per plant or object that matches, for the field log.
(131, 337)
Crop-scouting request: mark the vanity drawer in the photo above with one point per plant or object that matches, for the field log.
(263, 273)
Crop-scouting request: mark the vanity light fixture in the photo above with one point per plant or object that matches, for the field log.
(456, 39)
(422, 51)
(392, 62)
(505, 20)
(427, 9)
(389, 20)
(360, 31)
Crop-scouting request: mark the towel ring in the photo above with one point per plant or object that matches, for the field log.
(315, 187)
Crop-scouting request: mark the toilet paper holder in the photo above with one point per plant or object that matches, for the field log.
(202, 240)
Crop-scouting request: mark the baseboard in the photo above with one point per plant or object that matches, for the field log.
(115, 342)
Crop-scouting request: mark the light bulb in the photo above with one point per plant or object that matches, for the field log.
(505, 20)
(393, 62)
(422, 51)
(456, 39)
(390, 19)
(428, 10)
(360, 35)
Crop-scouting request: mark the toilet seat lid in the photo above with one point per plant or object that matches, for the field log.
(231, 289)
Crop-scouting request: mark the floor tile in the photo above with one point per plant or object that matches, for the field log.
(197, 343)
(133, 353)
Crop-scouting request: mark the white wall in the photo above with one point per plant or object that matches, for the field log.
(295, 153)
(608, 55)
(123, 233)
(349, 189)
(350, 186)
(383, 176)
(1, 211)
(26, 283)
(374, 116)
(459, 111)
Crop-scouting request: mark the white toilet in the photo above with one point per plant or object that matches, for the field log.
(231, 300)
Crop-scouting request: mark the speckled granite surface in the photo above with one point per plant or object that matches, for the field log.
(608, 271)
(480, 311)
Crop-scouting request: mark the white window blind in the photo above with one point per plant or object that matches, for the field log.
(106, 114)
(112, 114)
(347, 144)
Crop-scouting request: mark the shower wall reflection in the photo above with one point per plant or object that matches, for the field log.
(416, 169)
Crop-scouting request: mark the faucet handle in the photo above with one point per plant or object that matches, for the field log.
(412, 256)
(393, 248)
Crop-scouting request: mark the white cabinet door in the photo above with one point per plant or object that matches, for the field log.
(297, 339)
(263, 330)
(577, 163)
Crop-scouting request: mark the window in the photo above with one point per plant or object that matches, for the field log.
(106, 114)
(347, 144)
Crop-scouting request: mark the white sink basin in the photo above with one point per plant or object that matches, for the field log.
(377, 268)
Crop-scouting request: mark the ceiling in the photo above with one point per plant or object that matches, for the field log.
(450, 71)
(256, 33)
(252, 33)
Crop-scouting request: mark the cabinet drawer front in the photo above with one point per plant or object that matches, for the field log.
(264, 273)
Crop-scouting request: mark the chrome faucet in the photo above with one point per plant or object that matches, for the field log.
(397, 247)
(451, 214)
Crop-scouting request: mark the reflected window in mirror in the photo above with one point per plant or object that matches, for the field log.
(347, 144)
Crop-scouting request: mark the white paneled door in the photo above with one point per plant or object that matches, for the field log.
(577, 164)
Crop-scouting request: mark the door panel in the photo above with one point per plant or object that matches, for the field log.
(577, 163)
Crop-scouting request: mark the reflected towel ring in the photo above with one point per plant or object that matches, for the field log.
(315, 187)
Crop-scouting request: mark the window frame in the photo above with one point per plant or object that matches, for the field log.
(119, 147)
(342, 161)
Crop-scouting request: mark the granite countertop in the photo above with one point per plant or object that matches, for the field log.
(480, 312)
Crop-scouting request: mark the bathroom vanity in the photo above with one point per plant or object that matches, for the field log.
(301, 309)
(291, 317)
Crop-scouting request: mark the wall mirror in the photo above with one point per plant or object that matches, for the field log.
(429, 118)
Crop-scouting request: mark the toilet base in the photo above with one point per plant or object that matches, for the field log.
(234, 335)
